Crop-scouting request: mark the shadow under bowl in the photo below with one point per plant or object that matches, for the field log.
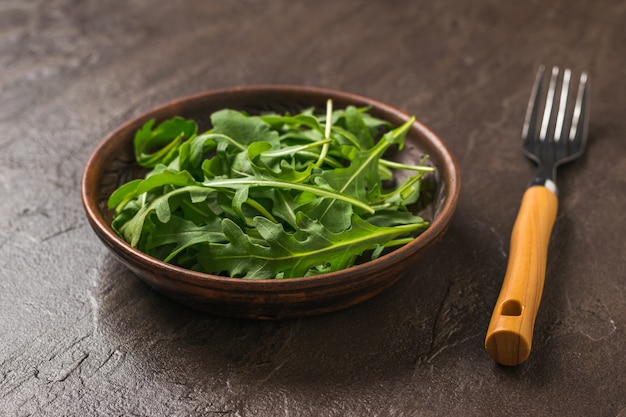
(113, 163)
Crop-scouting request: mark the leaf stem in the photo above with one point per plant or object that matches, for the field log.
(294, 149)
(255, 182)
(257, 206)
(398, 165)
(344, 244)
(327, 128)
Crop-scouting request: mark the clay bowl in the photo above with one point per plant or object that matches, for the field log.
(112, 164)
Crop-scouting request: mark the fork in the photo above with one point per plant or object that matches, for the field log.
(560, 137)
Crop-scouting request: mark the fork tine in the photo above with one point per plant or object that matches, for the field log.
(530, 122)
(577, 134)
(560, 118)
(547, 111)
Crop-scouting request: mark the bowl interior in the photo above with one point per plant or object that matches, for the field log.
(113, 164)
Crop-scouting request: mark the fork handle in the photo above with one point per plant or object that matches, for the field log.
(510, 333)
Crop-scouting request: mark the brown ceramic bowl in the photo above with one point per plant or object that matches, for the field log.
(112, 164)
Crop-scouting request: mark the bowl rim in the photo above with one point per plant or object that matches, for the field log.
(89, 187)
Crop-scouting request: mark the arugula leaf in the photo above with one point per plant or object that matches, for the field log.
(243, 129)
(358, 178)
(179, 234)
(167, 136)
(356, 125)
(289, 123)
(269, 196)
(294, 254)
(136, 188)
(132, 229)
(318, 189)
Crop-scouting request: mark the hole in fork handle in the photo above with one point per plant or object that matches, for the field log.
(511, 308)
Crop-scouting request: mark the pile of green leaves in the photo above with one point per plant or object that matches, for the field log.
(269, 196)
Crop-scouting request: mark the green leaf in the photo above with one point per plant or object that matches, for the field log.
(136, 188)
(313, 189)
(278, 122)
(356, 125)
(192, 153)
(133, 228)
(243, 129)
(312, 248)
(269, 196)
(159, 145)
(124, 192)
(391, 218)
(360, 177)
(279, 164)
(179, 234)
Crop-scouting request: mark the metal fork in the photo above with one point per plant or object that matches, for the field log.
(560, 137)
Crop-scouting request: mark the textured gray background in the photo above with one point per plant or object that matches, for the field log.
(80, 335)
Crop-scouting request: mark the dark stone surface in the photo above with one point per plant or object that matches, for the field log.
(80, 335)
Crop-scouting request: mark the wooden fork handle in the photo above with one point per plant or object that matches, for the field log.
(510, 332)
